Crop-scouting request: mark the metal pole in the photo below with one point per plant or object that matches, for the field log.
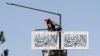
(40, 29)
(45, 12)
(60, 36)
(60, 17)
(32, 8)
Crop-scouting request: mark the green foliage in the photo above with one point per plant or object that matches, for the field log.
(6, 52)
(2, 38)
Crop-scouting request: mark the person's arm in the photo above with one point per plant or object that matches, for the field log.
(57, 26)
(55, 23)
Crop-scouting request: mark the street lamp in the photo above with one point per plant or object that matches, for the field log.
(45, 12)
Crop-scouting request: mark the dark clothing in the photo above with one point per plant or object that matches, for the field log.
(52, 26)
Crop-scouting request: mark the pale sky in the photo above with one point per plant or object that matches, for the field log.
(77, 15)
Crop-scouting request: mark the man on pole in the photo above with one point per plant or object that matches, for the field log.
(52, 26)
